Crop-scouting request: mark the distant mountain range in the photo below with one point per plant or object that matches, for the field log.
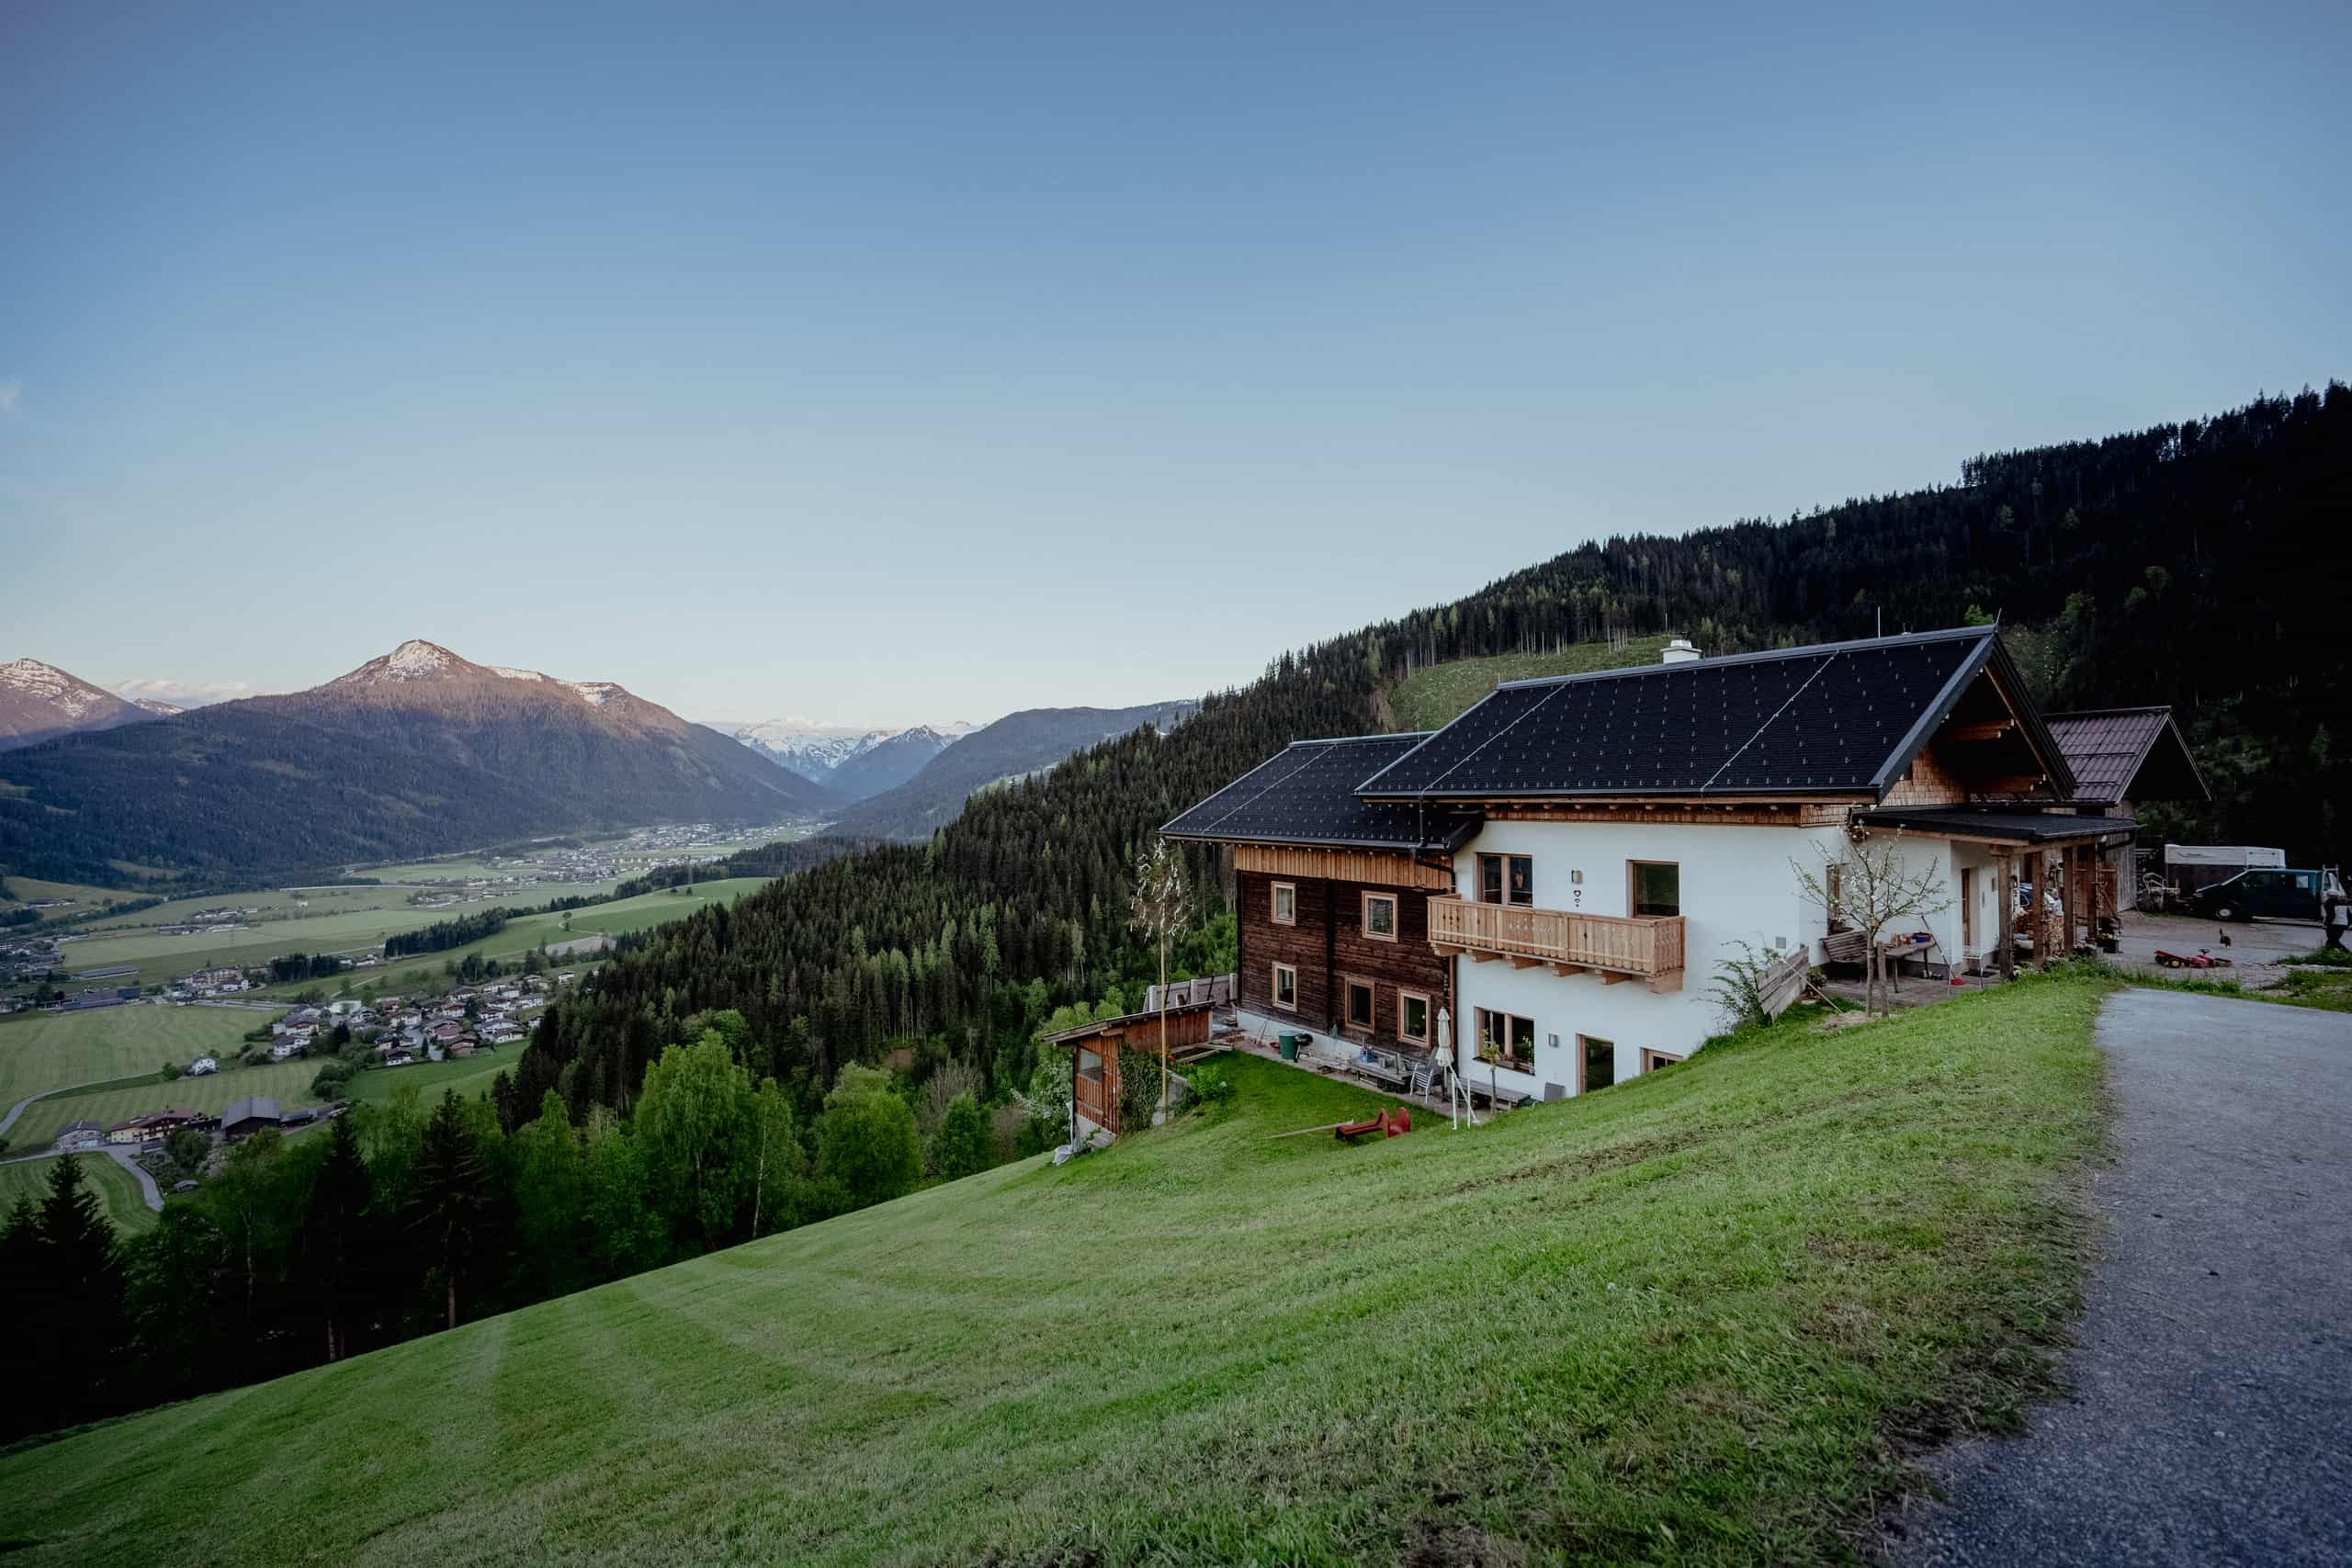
(39, 702)
(414, 752)
(852, 762)
(1015, 746)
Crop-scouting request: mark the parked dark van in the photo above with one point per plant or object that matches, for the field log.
(2281, 895)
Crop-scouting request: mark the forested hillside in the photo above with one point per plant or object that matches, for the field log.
(2201, 564)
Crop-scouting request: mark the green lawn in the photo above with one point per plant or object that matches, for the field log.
(1439, 692)
(43, 1050)
(115, 1186)
(1687, 1319)
(288, 1082)
(470, 1077)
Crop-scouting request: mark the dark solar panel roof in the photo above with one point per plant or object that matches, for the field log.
(2116, 753)
(1306, 794)
(2016, 826)
(1833, 718)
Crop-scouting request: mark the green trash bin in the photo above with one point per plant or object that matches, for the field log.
(1290, 1047)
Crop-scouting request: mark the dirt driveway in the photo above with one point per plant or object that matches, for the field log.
(2210, 1417)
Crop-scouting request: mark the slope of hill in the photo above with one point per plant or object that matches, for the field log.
(1014, 746)
(234, 791)
(1437, 694)
(39, 702)
(2156, 554)
(414, 752)
(594, 748)
(1684, 1319)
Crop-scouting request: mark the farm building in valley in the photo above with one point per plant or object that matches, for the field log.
(1540, 892)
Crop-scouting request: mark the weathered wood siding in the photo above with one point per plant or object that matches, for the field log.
(1409, 964)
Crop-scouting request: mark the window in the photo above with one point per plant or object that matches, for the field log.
(1287, 987)
(1380, 916)
(1653, 1060)
(1285, 910)
(1596, 1064)
(1089, 1065)
(1656, 887)
(1506, 1039)
(1359, 1014)
(1413, 1017)
(1507, 879)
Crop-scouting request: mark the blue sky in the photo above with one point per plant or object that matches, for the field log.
(888, 364)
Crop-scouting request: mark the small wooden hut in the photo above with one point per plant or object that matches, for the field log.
(1096, 1076)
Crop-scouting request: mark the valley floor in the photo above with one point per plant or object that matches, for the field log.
(1701, 1316)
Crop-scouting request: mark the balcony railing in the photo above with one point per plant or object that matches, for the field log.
(1616, 947)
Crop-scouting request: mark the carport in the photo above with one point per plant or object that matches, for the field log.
(2052, 849)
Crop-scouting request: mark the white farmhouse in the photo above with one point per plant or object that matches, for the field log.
(1542, 891)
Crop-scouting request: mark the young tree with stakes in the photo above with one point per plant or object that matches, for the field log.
(1870, 890)
(1162, 905)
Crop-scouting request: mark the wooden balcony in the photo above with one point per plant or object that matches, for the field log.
(1616, 947)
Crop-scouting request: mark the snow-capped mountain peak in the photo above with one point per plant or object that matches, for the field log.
(819, 751)
(69, 694)
(39, 702)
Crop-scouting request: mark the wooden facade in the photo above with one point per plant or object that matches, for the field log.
(1326, 945)
(1096, 1049)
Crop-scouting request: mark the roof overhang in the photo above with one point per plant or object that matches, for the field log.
(1990, 659)
(2017, 829)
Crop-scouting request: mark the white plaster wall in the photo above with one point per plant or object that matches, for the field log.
(1737, 885)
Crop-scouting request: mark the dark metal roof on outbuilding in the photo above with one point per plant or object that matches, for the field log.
(1306, 794)
(1836, 718)
(2118, 755)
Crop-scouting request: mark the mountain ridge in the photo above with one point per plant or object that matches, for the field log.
(40, 701)
(431, 751)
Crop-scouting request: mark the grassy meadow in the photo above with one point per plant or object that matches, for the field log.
(1692, 1318)
(116, 1188)
(645, 910)
(87, 901)
(470, 1078)
(288, 1082)
(356, 920)
(43, 1051)
(1438, 694)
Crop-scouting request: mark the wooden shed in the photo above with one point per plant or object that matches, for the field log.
(1097, 1047)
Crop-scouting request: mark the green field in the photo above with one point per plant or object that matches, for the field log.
(87, 901)
(646, 910)
(273, 904)
(1439, 693)
(288, 1082)
(1693, 1318)
(44, 1051)
(357, 920)
(116, 1187)
(470, 1078)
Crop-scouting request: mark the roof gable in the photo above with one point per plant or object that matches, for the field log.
(1837, 718)
(2116, 754)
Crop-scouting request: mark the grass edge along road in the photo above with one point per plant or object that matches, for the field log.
(1698, 1318)
(119, 1191)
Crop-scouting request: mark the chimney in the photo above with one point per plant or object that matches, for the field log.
(1681, 650)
